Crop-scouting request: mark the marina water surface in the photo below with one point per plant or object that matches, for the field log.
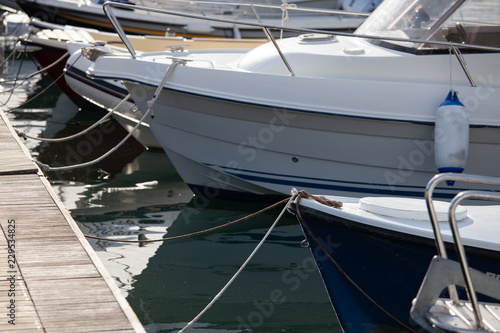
(137, 194)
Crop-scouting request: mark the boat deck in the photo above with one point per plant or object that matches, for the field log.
(55, 282)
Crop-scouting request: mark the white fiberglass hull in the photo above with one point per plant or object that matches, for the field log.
(108, 94)
(348, 123)
(217, 144)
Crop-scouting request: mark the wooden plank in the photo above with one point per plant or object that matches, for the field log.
(25, 316)
(59, 282)
(16, 157)
(59, 272)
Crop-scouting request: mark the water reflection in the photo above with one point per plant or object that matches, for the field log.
(150, 179)
(169, 283)
(14, 89)
(138, 194)
(88, 147)
(125, 261)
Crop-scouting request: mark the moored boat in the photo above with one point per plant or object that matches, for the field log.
(373, 253)
(48, 49)
(89, 14)
(108, 94)
(346, 115)
(51, 43)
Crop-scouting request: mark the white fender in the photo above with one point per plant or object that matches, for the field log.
(451, 135)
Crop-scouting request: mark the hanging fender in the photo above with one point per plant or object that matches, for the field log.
(451, 135)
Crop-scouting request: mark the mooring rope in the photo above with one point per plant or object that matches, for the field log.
(40, 93)
(15, 80)
(195, 319)
(150, 103)
(8, 57)
(48, 168)
(14, 49)
(196, 233)
(85, 131)
(44, 89)
(36, 73)
(304, 194)
(284, 14)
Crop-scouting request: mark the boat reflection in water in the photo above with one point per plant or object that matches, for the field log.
(169, 283)
(124, 261)
(88, 147)
(150, 179)
(264, 125)
(60, 118)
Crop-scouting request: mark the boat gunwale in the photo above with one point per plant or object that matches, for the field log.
(225, 99)
(413, 234)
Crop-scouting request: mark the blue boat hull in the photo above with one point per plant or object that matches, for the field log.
(372, 274)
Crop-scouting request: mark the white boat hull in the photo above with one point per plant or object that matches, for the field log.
(220, 145)
(341, 116)
(108, 94)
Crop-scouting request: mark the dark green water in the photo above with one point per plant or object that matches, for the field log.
(136, 193)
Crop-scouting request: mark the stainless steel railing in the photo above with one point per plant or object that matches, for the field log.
(238, 5)
(484, 195)
(118, 28)
(107, 7)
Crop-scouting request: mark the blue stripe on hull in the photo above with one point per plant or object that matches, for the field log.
(388, 268)
(97, 84)
(331, 185)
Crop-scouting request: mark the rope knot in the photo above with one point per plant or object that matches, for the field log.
(21, 135)
(321, 199)
(284, 8)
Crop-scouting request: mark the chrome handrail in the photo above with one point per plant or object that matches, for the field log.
(431, 185)
(461, 61)
(483, 195)
(271, 38)
(121, 33)
(289, 6)
(116, 25)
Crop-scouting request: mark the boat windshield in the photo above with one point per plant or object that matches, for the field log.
(461, 21)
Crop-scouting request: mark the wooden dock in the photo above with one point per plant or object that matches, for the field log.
(55, 282)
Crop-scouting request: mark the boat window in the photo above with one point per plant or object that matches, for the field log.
(461, 21)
